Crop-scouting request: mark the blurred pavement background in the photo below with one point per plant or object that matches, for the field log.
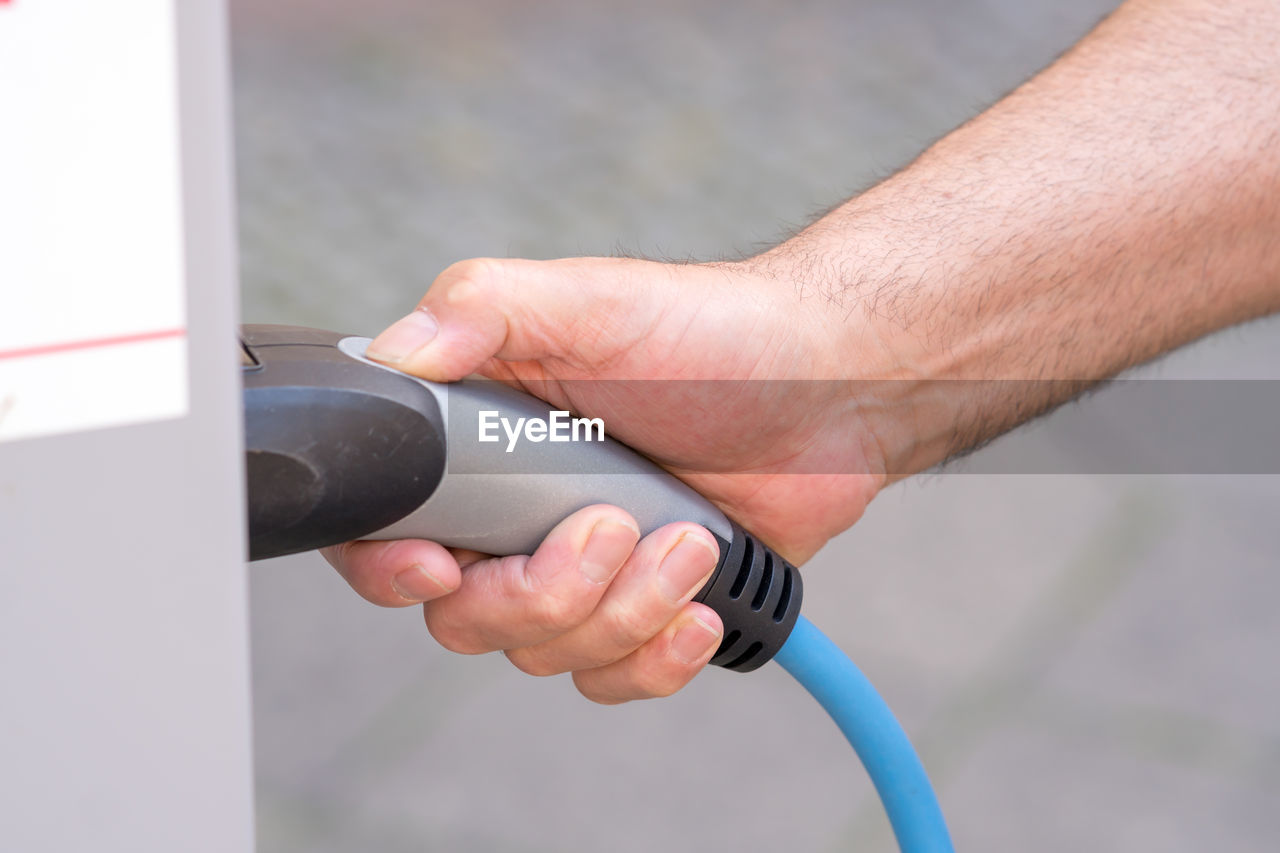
(1085, 662)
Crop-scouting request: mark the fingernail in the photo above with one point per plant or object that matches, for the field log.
(417, 584)
(607, 548)
(404, 337)
(686, 566)
(693, 641)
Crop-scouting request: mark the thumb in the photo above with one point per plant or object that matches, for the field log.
(514, 310)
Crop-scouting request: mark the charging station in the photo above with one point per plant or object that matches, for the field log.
(124, 715)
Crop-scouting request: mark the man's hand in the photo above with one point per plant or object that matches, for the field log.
(788, 460)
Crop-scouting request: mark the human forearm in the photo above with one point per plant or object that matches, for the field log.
(1121, 203)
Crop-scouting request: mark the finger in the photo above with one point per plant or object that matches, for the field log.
(509, 602)
(397, 572)
(664, 572)
(661, 666)
(466, 557)
(514, 310)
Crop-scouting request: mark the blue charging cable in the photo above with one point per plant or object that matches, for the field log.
(873, 732)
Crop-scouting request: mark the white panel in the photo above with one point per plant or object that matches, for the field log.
(90, 216)
(124, 684)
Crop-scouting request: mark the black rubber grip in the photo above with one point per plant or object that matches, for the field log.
(757, 594)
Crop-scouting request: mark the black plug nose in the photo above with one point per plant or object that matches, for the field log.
(335, 449)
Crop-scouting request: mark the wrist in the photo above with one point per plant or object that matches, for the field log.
(889, 305)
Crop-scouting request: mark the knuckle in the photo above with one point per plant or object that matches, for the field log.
(556, 614)
(591, 691)
(382, 598)
(660, 680)
(532, 663)
(450, 636)
(600, 698)
(629, 627)
(471, 279)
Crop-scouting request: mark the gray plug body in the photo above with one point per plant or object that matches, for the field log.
(503, 499)
(339, 447)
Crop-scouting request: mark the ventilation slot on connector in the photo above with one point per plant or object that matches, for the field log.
(744, 572)
(766, 581)
(784, 600)
(745, 657)
(727, 643)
